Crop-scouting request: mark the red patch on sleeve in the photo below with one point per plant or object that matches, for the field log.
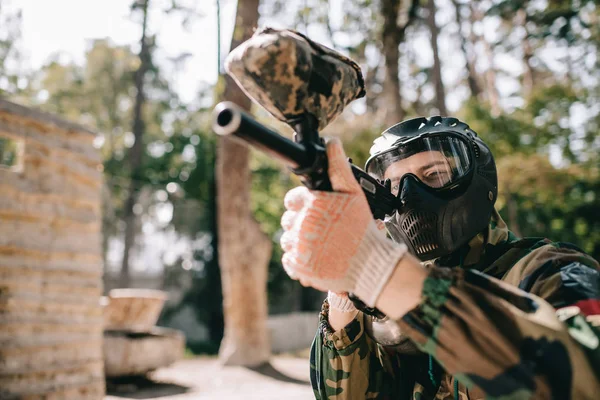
(589, 307)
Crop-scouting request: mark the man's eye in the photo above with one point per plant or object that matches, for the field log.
(436, 174)
(437, 178)
(431, 176)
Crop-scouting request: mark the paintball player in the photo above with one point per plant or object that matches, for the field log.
(482, 313)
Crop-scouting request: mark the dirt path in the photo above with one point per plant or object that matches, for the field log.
(204, 378)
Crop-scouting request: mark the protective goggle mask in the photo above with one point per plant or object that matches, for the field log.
(438, 161)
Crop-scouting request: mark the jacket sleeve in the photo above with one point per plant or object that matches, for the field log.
(348, 364)
(502, 342)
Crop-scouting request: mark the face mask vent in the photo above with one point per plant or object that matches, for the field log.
(476, 150)
(420, 227)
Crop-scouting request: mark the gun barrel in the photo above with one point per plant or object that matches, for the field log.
(230, 120)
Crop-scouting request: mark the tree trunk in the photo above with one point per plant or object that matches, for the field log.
(490, 74)
(214, 291)
(109, 220)
(391, 90)
(372, 96)
(440, 93)
(244, 251)
(392, 35)
(137, 150)
(472, 79)
(490, 80)
(219, 37)
(529, 73)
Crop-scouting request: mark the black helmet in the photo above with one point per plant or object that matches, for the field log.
(445, 177)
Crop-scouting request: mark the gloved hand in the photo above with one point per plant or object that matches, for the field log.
(331, 240)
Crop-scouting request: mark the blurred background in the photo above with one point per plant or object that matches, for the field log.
(145, 75)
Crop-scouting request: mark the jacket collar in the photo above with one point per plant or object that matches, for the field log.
(483, 249)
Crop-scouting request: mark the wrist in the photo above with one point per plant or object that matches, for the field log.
(333, 323)
(403, 291)
(341, 310)
(373, 264)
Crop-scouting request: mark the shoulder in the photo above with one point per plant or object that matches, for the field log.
(559, 272)
(538, 255)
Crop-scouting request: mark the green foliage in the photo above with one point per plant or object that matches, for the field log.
(504, 134)
(357, 147)
(560, 19)
(9, 51)
(560, 204)
(9, 152)
(270, 183)
(535, 197)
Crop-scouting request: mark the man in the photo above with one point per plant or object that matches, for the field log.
(492, 315)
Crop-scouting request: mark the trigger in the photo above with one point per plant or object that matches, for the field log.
(388, 184)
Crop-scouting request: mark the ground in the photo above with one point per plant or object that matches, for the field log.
(285, 377)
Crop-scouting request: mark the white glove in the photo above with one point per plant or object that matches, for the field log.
(331, 241)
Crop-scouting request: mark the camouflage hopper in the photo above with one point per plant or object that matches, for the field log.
(290, 75)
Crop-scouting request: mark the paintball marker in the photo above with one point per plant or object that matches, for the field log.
(306, 85)
(306, 157)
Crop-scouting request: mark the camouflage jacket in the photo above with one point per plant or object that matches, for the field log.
(504, 318)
